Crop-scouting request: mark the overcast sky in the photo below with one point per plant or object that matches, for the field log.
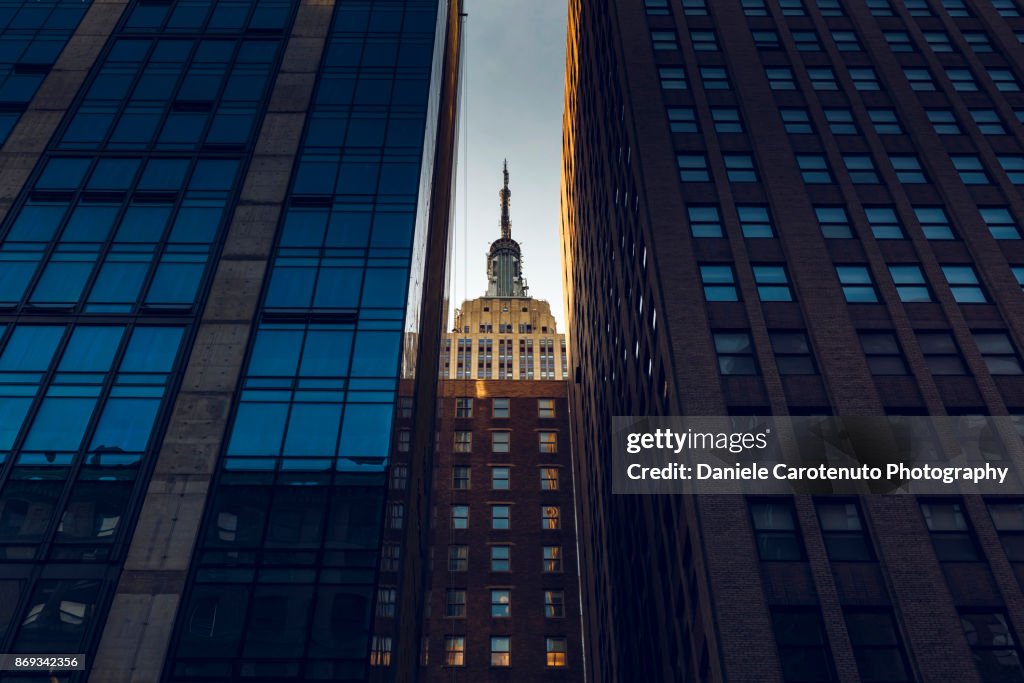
(515, 52)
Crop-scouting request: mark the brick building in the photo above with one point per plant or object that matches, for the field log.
(803, 207)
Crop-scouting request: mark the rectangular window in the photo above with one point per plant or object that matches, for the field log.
(463, 407)
(545, 408)
(963, 282)
(1004, 79)
(554, 604)
(682, 120)
(463, 442)
(404, 440)
(861, 169)
(715, 78)
(908, 169)
(1008, 519)
(501, 517)
(885, 225)
(500, 477)
(458, 558)
(803, 646)
(780, 78)
(938, 41)
(970, 169)
(920, 79)
(719, 283)
(552, 560)
(765, 39)
(833, 222)
(460, 516)
(998, 352)
(501, 442)
(857, 284)
(775, 530)
(705, 221)
(941, 353)
(548, 478)
(772, 282)
(877, 647)
(695, 8)
(460, 477)
(880, 8)
(693, 168)
(830, 8)
(899, 41)
(703, 41)
(755, 221)
(727, 120)
(910, 284)
(934, 222)
(842, 529)
(796, 121)
(547, 442)
(883, 354)
(456, 603)
(672, 77)
(978, 41)
(840, 122)
(550, 517)
(988, 121)
(846, 41)
(501, 651)
(1000, 223)
(885, 121)
(754, 8)
(1018, 274)
(993, 645)
(792, 8)
(793, 354)
(735, 352)
(739, 168)
(455, 651)
(500, 408)
(806, 41)
(864, 78)
(399, 477)
(501, 603)
(386, 602)
(501, 558)
(1013, 166)
(944, 121)
(823, 78)
(951, 535)
(656, 7)
(556, 652)
(813, 169)
(664, 40)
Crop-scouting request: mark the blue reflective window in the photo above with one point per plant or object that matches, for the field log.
(30, 348)
(60, 424)
(313, 430)
(258, 429)
(91, 349)
(152, 349)
(376, 354)
(125, 425)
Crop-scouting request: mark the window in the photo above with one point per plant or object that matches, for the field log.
(772, 283)
(877, 647)
(386, 602)
(460, 516)
(988, 121)
(727, 120)
(501, 516)
(1000, 223)
(938, 41)
(941, 353)
(552, 561)
(501, 441)
(682, 120)
(843, 531)
(934, 222)
(910, 284)
(885, 121)
(956, 8)
(693, 168)
(780, 78)
(664, 40)
(918, 8)
(550, 517)
(978, 41)
(500, 477)
(739, 168)
(455, 651)
(765, 39)
(846, 41)
(962, 79)
(556, 652)
(813, 169)
(803, 649)
(548, 478)
(672, 77)
(1006, 8)
(458, 558)
(822, 78)
(704, 41)
(880, 8)
(545, 408)
(404, 440)
(704, 221)
(796, 121)
(857, 284)
(908, 169)
(390, 554)
(830, 8)
(970, 169)
(715, 78)
(456, 603)
(501, 558)
(463, 407)
(719, 283)
(840, 122)
(735, 353)
(697, 8)
(755, 220)
(806, 41)
(964, 284)
(920, 79)
(793, 354)
(775, 530)
(399, 477)
(993, 645)
(460, 477)
(754, 8)
(792, 8)
(1004, 80)
(951, 535)
(882, 352)
(833, 221)
(1014, 168)
(547, 442)
(501, 603)
(864, 78)
(500, 408)
(885, 225)
(944, 121)
(501, 654)
(656, 7)
(998, 352)
(1008, 519)
(861, 168)
(463, 442)
(899, 41)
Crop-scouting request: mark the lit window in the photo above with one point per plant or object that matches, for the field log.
(545, 408)
(551, 517)
(380, 651)
(556, 649)
(554, 604)
(548, 478)
(455, 651)
(501, 651)
(552, 561)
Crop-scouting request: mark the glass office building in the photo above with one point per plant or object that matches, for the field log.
(223, 243)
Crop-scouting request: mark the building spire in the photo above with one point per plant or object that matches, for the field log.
(505, 195)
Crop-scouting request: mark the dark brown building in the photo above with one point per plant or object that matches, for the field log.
(794, 207)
